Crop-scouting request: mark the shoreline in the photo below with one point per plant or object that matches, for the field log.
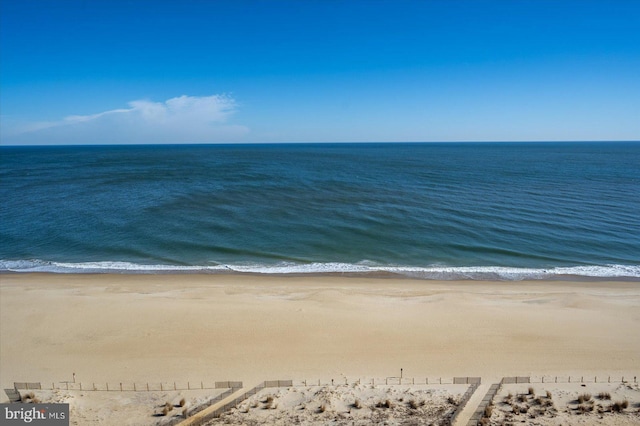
(374, 275)
(166, 327)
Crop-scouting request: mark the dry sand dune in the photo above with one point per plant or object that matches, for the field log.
(358, 404)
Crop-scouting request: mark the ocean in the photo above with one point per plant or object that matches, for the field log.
(506, 211)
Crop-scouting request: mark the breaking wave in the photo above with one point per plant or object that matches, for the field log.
(333, 268)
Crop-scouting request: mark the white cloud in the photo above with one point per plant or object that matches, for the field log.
(184, 119)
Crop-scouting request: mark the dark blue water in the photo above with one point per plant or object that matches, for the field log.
(477, 210)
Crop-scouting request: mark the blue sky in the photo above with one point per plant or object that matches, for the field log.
(81, 72)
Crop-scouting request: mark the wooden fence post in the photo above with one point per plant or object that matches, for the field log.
(120, 387)
(107, 386)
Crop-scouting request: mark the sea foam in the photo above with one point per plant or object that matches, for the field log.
(333, 268)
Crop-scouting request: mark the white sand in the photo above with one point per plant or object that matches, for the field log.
(562, 406)
(124, 408)
(166, 328)
(357, 404)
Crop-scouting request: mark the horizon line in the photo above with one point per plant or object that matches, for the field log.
(3, 145)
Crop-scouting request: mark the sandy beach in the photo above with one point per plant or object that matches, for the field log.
(205, 328)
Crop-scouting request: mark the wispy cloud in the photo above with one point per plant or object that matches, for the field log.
(183, 119)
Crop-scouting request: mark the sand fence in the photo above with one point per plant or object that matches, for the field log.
(569, 379)
(184, 386)
(486, 401)
(463, 401)
(395, 381)
(127, 386)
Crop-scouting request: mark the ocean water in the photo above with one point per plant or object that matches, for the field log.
(434, 210)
